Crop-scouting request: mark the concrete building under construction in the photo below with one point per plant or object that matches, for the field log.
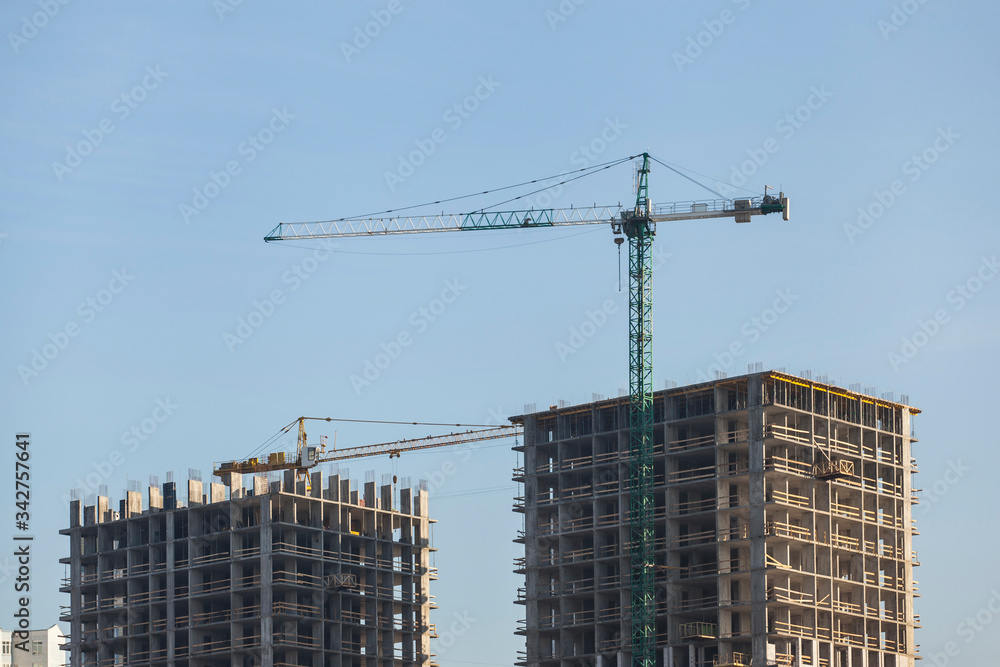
(783, 528)
(282, 572)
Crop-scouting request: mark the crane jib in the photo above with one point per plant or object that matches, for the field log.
(741, 209)
(507, 219)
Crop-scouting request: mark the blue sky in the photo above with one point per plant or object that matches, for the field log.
(148, 151)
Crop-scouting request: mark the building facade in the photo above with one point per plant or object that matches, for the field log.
(784, 531)
(279, 573)
(41, 648)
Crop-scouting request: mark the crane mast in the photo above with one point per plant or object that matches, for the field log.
(639, 229)
(638, 224)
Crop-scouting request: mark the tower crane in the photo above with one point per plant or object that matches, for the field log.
(309, 456)
(638, 225)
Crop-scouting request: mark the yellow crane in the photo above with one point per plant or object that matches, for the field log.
(308, 456)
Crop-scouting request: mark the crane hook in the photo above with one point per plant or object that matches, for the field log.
(618, 242)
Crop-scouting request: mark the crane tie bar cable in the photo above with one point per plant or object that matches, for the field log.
(385, 421)
(718, 194)
(594, 168)
(284, 429)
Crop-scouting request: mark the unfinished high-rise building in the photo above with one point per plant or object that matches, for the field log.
(783, 528)
(278, 573)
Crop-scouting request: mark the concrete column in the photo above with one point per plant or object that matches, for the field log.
(194, 492)
(171, 612)
(170, 496)
(75, 580)
(217, 492)
(259, 485)
(155, 500)
(692, 658)
(234, 481)
(907, 534)
(758, 565)
(798, 652)
(133, 504)
(531, 556)
(421, 545)
(266, 592)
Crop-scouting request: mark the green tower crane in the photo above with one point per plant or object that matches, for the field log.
(638, 225)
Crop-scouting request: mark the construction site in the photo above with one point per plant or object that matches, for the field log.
(757, 520)
(783, 535)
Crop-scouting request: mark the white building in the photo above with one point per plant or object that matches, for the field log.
(42, 649)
